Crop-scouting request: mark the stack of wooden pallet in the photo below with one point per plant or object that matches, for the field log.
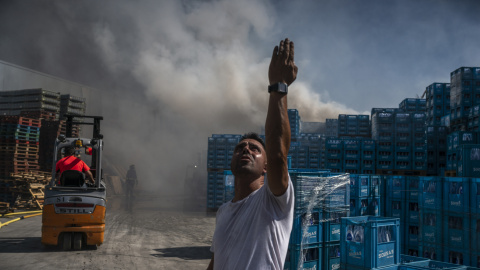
(19, 144)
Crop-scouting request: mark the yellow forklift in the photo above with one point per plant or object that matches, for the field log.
(74, 210)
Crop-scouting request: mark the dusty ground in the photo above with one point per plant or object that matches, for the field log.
(157, 234)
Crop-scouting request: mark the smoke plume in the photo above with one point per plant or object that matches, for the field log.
(171, 73)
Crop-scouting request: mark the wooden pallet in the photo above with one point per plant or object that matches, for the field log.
(13, 119)
(37, 197)
(4, 207)
(402, 172)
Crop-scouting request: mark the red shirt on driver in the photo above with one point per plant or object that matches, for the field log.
(71, 163)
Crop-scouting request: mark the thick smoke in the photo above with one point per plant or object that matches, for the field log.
(171, 74)
(197, 64)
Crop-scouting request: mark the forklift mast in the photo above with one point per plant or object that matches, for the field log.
(96, 125)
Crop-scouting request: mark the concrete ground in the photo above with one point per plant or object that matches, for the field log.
(157, 234)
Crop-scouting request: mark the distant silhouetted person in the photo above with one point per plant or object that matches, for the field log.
(131, 182)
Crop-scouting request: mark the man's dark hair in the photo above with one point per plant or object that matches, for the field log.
(69, 151)
(253, 136)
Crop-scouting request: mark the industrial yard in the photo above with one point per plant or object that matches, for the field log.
(384, 120)
(155, 235)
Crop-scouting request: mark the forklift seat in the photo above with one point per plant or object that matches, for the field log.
(72, 178)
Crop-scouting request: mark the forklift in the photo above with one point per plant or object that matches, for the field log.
(74, 210)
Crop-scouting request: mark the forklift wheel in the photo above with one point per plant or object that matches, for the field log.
(77, 241)
(67, 241)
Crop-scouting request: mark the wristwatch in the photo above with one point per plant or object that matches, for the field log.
(278, 87)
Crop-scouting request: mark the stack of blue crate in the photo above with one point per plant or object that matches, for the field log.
(367, 160)
(308, 151)
(383, 133)
(331, 127)
(353, 126)
(456, 221)
(352, 155)
(436, 149)
(365, 196)
(419, 146)
(438, 103)
(369, 243)
(468, 163)
(320, 203)
(411, 222)
(445, 121)
(455, 141)
(431, 204)
(220, 151)
(462, 96)
(364, 126)
(412, 105)
(294, 118)
(473, 116)
(334, 154)
(403, 141)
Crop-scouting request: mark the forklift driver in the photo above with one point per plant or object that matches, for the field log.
(72, 163)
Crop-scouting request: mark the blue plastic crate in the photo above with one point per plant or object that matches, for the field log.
(375, 185)
(368, 144)
(384, 165)
(352, 154)
(338, 198)
(413, 251)
(475, 233)
(330, 195)
(412, 212)
(332, 224)
(334, 153)
(430, 188)
(395, 186)
(475, 260)
(332, 256)
(403, 147)
(431, 226)
(385, 146)
(456, 195)
(352, 144)
(333, 143)
(402, 165)
(412, 188)
(359, 185)
(368, 154)
(412, 234)
(370, 242)
(405, 259)
(385, 155)
(463, 137)
(431, 251)
(395, 208)
(304, 257)
(457, 228)
(308, 228)
(359, 206)
(430, 264)
(456, 256)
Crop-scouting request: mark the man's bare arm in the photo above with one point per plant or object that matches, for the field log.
(277, 127)
(90, 176)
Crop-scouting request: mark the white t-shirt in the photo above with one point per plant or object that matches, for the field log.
(253, 233)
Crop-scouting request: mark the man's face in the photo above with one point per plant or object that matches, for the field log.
(249, 157)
